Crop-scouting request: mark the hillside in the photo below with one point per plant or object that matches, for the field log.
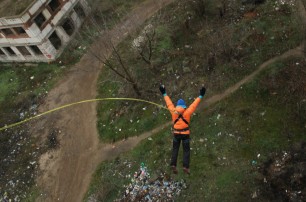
(248, 134)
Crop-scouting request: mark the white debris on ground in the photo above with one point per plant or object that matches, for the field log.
(139, 42)
(279, 3)
(143, 188)
(19, 150)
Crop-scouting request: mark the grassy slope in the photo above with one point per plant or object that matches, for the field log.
(261, 118)
(246, 44)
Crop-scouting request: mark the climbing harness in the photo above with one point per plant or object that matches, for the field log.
(180, 117)
(77, 103)
(176, 120)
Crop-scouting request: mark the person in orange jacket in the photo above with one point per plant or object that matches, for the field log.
(181, 133)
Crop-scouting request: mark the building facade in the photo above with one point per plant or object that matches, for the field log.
(42, 31)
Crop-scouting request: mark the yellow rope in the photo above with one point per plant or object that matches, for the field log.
(76, 103)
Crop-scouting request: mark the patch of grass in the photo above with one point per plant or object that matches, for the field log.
(7, 84)
(164, 42)
(23, 86)
(33, 195)
(116, 123)
(13, 8)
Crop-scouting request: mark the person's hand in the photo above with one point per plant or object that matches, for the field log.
(202, 91)
(162, 89)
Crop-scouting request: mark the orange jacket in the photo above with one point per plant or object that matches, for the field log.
(175, 111)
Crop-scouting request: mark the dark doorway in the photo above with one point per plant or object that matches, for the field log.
(68, 26)
(2, 53)
(55, 40)
(23, 50)
(10, 51)
(7, 32)
(54, 4)
(40, 20)
(79, 10)
(19, 30)
(36, 50)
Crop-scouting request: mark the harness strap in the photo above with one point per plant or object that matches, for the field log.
(181, 117)
(181, 130)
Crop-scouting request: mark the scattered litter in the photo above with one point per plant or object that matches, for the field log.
(21, 115)
(218, 117)
(254, 195)
(33, 162)
(143, 188)
(150, 139)
(32, 77)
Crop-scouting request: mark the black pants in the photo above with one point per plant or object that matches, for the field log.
(186, 149)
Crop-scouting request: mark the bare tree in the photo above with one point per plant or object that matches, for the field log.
(113, 61)
(120, 68)
(143, 44)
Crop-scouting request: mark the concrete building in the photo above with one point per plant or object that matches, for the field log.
(41, 31)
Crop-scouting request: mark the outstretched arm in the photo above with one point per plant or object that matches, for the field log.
(196, 102)
(168, 101)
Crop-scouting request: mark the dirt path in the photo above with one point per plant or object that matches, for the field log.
(67, 171)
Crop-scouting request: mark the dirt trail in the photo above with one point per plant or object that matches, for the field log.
(67, 171)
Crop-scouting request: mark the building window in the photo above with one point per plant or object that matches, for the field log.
(10, 51)
(19, 30)
(54, 4)
(2, 53)
(68, 26)
(40, 20)
(13, 32)
(55, 40)
(36, 50)
(79, 10)
(23, 50)
(7, 32)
